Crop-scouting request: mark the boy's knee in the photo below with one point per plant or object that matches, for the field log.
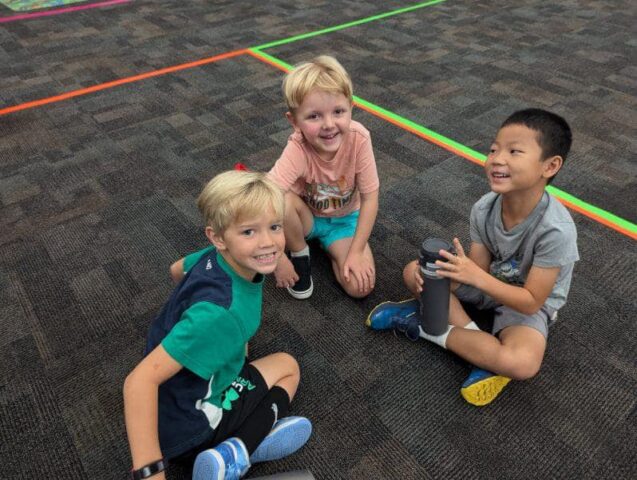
(352, 288)
(525, 371)
(520, 368)
(289, 364)
(409, 275)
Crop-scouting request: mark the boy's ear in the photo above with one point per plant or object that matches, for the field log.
(292, 121)
(552, 165)
(215, 239)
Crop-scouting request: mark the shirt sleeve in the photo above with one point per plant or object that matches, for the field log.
(191, 259)
(289, 167)
(474, 231)
(366, 173)
(557, 246)
(200, 341)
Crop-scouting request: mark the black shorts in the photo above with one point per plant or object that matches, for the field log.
(251, 390)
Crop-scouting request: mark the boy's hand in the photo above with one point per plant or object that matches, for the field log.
(284, 273)
(361, 268)
(459, 267)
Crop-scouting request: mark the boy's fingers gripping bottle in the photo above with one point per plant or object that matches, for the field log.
(434, 298)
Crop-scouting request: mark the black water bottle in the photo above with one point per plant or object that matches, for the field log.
(434, 298)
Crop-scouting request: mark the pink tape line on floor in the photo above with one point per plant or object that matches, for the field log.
(58, 11)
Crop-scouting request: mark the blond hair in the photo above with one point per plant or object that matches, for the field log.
(323, 73)
(236, 194)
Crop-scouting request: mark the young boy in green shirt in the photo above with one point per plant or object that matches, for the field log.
(194, 394)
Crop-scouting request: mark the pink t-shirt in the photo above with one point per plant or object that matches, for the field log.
(330, 189)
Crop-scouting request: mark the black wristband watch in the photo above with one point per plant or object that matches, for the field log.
(149, 470)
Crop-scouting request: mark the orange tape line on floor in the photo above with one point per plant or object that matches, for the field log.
(121, 81)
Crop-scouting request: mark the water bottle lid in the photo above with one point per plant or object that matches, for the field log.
(430, 248)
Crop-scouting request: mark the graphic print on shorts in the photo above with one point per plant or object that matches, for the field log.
(234, 390)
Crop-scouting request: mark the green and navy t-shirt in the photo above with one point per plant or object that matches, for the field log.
(205, 326)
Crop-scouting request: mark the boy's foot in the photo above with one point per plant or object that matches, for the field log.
(382, 316)
(227, 461)
(286, 437)
(303, 288)
(398, 316)
(481, 386)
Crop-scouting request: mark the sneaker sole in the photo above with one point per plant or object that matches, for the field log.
(304, 294)
(483, 392)
(209, 465)
(368, 320)
(296, 432)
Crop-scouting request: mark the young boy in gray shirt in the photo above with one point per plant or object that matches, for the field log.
(523, 249)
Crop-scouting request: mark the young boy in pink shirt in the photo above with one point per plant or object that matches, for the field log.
(328, 172)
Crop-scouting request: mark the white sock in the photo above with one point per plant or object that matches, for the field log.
(437, 339)
(471, 326)
(301, 253)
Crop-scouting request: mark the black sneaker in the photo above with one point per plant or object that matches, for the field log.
(303, 288)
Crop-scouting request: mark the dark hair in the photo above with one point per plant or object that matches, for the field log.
(553, 133)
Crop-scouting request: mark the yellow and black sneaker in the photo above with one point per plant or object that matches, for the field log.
(482, 387)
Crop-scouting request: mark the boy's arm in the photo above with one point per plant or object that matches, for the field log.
(181, 266)
(526, 299)
(366, 220)
(356, 262)
(177, 271)
(481, 255)
(141, 405)
(289, 167)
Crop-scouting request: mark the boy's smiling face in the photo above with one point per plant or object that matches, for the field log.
(323, 118)
(251, 245)
(515, 162)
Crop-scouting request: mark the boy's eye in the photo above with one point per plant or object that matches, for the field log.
(247, 232)
(339, 111)
(313, 116)
(492, 150)
(276, 227)
(515, 151)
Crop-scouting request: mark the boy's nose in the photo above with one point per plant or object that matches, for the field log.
(328, 122)
(265, 240)
(495, 158)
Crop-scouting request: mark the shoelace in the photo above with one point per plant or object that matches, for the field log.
(408, 326)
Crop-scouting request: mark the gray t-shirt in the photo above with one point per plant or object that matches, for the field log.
(547, 238)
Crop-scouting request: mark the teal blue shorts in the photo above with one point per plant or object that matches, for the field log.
(329, 229)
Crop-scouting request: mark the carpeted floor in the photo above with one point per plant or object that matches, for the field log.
(97, 198)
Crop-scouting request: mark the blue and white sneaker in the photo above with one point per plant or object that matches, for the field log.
(227, 461)
(482, 387)
(382, 317)
(286, 437)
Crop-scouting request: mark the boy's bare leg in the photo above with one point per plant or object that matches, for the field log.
(279, 369)
(409, 277)
(298, 223)
(338, 253)
(517, 353)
